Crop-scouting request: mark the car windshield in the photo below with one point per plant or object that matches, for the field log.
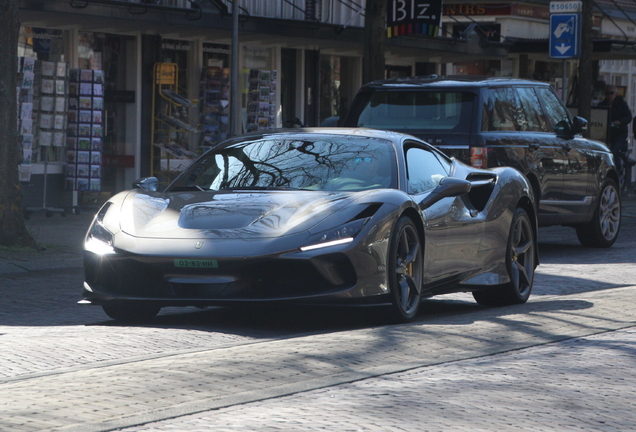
(421, 110)
(308, 161)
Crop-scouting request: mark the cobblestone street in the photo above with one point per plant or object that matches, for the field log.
(513, 391)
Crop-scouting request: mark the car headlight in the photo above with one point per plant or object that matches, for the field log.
(341, 235)
(98, 239)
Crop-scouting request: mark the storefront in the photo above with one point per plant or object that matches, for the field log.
(135, 101)
(78, 116)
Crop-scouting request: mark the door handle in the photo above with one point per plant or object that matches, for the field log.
(533, 146)
(567, 147)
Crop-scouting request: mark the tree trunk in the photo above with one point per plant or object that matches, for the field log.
(13, 230)
(374, 40)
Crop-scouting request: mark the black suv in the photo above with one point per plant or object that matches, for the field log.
(490, 122)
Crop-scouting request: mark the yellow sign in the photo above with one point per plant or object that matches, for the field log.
(166, 73)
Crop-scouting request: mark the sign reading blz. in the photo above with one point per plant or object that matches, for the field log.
(189, 263)
(413, 16)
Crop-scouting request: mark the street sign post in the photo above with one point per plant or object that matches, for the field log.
(565, 32)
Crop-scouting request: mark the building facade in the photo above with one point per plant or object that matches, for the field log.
(146, 87)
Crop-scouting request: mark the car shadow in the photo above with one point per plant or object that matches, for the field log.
(263, 323)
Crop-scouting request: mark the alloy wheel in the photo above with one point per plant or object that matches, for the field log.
(522, 255)
(609, 212)
(408, 270)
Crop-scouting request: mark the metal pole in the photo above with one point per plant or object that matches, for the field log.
(564, 85)
(235, 91)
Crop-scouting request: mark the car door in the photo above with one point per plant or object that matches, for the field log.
(518, 134)
(453, 233)
(574, 201)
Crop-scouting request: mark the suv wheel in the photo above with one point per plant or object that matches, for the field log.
(602, 230)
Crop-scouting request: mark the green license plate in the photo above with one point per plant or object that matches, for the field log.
(196, 263)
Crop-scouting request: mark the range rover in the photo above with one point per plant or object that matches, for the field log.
(489, 122)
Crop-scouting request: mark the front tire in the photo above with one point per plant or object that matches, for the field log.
(131, 313)
(405, 270)
(520, 262)
(602, 230)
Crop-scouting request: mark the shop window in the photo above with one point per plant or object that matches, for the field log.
(260, 81)
(329, 86)
(214, 96)
(89, 50)
(42, 96)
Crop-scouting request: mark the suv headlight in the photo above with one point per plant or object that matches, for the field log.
(340, 235)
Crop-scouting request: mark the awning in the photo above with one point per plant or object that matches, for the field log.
(104, 16)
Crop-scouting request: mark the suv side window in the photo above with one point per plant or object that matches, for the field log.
(424, 169)
(532, 109)
(502, 110)
(558, 117)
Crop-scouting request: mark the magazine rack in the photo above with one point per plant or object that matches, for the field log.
(42, 111)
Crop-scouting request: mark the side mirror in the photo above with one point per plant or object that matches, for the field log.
(579, 125)
(147, 183)
(447, 187)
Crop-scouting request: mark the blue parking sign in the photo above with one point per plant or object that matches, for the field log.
(565, 33)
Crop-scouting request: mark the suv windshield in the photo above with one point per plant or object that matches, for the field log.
(414, 109)
(313, 162)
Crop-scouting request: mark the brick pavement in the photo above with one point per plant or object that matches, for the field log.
(512, 391)
(104, 398)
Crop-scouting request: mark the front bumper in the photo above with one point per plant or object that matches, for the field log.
(340, 274)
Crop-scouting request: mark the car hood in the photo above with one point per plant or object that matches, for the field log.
(252, 214)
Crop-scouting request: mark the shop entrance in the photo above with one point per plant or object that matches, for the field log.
(119, 103)
(338, 85)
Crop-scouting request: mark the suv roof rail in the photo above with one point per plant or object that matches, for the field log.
(433, 78)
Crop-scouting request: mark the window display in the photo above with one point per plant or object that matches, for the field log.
(260, 80)
(261, 100)
(83, 155)
(215, 101)
(42, 103)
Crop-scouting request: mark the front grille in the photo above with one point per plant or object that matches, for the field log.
(238, 279)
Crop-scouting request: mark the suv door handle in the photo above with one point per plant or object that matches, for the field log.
(534, 146)
(567, 147)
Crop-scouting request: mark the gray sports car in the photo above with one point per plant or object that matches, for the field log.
(328, 216)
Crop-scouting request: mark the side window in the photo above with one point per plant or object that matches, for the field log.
(557, 115)
(502, 111)
(532, 109)
(424, 169)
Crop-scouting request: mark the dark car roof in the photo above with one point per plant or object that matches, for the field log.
(434, 81)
